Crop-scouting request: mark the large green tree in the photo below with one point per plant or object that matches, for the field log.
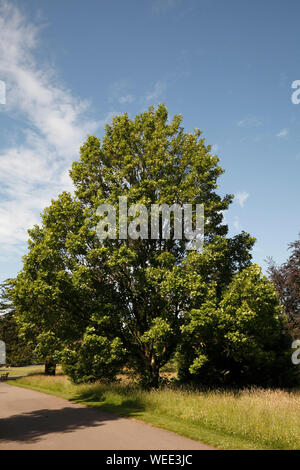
(131, 294)
(151, 284)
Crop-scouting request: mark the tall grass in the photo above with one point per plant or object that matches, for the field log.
(249, 419)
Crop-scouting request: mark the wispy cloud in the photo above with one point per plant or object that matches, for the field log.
(2, 92)
(120, 92)
(127, 99)
(242, 197)
(283, 133)
(160, 6)
(249, 122)
(157, 92)
(236, 223)
(53, 126)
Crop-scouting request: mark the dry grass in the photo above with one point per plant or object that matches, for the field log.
(267, 418)
(249, 419)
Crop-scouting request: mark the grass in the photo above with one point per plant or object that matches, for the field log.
(249, 419)
(22, 370)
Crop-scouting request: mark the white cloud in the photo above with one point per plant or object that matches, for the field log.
(120, 92)
(158, 91)
(282, 133)
(249, 122)
(242, 197)
(126, 99)
(2, 92)
(53, 128)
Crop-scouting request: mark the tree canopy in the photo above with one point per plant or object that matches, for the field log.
(98, 304)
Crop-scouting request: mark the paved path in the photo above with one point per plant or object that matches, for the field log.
(33, 420)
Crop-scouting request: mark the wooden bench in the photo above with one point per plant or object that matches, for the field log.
(4, 376)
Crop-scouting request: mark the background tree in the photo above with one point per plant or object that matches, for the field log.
(287, 281)
(18, 352)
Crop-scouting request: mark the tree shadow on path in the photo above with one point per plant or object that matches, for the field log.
(30, 427)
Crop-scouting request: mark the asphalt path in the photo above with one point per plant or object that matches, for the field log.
(34, 420)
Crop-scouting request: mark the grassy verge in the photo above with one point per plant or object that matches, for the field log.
(254, 419)
(22, 370)
(27, 370)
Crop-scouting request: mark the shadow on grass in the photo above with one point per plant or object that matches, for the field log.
(127, 407)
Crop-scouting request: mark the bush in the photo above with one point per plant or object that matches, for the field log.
(242, 340)
(96, 358)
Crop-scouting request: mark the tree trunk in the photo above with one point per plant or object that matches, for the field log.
(153, 373)
(50, 367)
(155, 379)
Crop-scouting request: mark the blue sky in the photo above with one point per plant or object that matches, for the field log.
(227, 67)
